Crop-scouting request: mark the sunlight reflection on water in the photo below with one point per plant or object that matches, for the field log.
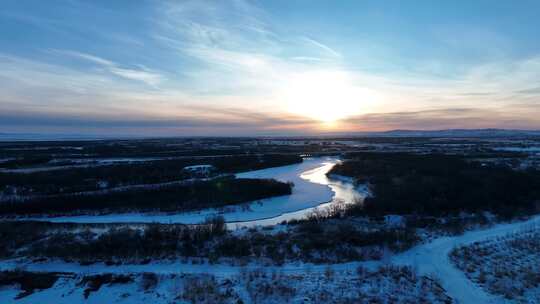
(345, 191)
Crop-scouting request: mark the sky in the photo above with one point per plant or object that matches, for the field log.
(280, 67)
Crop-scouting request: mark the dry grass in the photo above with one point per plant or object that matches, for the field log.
(507, 266)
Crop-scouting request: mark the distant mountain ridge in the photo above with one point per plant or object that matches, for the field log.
(46, 137)
(391, 133)
(456, 133)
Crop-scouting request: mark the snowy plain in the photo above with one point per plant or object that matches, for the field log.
(433, 259)
(312, 189)
(429, 259)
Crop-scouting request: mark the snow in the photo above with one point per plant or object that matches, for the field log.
(395, 221)
(254, 286)
(430, 259)
(433, 258)
(67, 291)
(199, 167)
(82, 163)
(518, 149)
(176, 267)
(311, 189)
(507, 266)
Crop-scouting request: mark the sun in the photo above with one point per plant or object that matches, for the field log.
(326, 96)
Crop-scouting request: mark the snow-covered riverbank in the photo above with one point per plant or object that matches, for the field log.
(311, 189)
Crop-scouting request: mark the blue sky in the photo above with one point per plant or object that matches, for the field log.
(267, 67)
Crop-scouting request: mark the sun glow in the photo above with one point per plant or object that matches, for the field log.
(327, 96)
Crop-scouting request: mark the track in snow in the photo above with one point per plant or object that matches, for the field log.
(428, 259)
(433, 259)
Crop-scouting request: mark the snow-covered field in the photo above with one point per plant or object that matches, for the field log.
(489, 265)
(430, 260)
(433, 258)
(354, 285)
(508, 266)
(311, 189)
(56, 164)
(518, 149)
(79, 163)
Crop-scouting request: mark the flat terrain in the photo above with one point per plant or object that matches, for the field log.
(374, 220)
(506, 265)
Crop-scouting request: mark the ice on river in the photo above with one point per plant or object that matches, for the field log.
(311, 189)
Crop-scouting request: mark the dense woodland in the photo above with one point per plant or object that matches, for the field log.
(308, 241)
(441, 184)
(93, 178)
(198, 195)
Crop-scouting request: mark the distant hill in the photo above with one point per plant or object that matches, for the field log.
(46, 137)
(452, 133)
(392, 133)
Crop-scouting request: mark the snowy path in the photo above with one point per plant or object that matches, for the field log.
(428, 259)
(432, 259)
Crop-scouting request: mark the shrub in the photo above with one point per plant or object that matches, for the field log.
(149, 280)
(28, 281)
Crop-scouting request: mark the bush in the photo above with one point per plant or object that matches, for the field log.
(149, 281)
(94, 282)
(28, 281)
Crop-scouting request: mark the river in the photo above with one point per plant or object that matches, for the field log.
(312, 189)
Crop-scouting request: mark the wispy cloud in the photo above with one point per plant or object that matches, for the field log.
(88, 57)
(147, 76)
(150, 77)
(322, 46)
(307, 58)
(447, 118)
(207, 121)
(90, 100)
(529, 91)
(199, 65)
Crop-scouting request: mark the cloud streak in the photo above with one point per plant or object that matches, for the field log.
(225, 122)
(197, 65)
(322, 46)
(145, 75)
(448, 118)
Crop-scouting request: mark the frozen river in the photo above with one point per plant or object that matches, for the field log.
(312, 189)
